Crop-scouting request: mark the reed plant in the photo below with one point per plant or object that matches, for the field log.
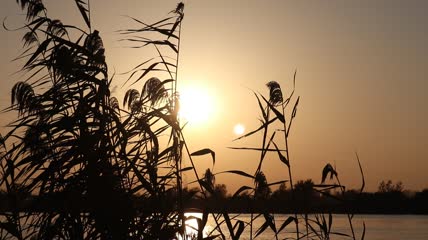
(78, 165)
(274, 121)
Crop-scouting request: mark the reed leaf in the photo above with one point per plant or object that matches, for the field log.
(262, 109)
(240, 190)
(155, 27)
(229, 225)
(363, 182)
(258, 149)
(204, 152)
(328, 169)
(42, 48)
(239, 226)
(279, 115)
(186, 169)
(364, 231)
(287, 101)
(277, 182)
(82, 6)
(207, 186)
(263, 126)
(293, 115)
(281, 156)
(239, 172)
(262, 228)
(146, 71)
(286, 223)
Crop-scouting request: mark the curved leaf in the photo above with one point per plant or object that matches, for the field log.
(204, 152)
(286, 222)
(271, 221)
(239, 172)
(84, 11)
(262, 109)
(241, 227)
(328, 169)
(278, 182)
(264, 125)
(241, 189)
(42, 47)
(279, 115)
(258, 149)
(262, 229)
(186, 169)
(293, 115)
(281, 157)
(207, 186)
(364, 231)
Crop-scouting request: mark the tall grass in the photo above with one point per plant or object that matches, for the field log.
(77, 165)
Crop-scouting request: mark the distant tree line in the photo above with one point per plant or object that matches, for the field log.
(390, 198)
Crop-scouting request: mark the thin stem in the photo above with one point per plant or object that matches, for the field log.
(263, 151)
(289, 169)
(178, 56)
(262, 155)
(178, 157)
(347, 214)
(89, 16)
(179, 162)
(307, 225)
(276, 233)
(251, 225)
(197, 177)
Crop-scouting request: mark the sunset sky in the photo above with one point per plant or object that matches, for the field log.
(361, 74)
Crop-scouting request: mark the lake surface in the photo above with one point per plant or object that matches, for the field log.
(378, 227)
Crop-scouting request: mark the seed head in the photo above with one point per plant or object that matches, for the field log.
(275, 93)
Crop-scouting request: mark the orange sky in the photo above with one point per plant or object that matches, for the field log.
(361, 76)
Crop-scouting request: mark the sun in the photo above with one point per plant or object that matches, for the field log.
(196, 105)
(239, 129)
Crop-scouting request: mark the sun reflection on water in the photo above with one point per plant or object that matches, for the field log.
(192, 225)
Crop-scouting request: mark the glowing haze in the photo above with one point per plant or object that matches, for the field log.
(196, 105)
(361, 74)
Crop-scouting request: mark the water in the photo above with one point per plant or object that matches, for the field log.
(378, 227)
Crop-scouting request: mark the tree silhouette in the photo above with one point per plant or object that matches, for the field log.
(389, 187)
